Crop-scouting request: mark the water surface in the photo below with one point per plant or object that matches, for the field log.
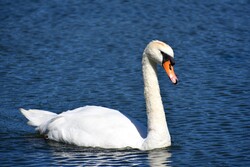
(59, 55)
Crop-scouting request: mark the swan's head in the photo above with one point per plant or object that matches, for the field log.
(162, 54)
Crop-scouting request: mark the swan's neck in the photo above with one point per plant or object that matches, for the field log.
(158, 134)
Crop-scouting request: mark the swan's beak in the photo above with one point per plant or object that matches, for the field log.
(170, 71)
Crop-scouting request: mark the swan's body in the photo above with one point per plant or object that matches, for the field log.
(95, 126)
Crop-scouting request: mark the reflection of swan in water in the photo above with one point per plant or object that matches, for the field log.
(159, 157)
(78, 156)
(94, 126)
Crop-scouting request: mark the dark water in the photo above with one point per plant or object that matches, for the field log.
(59, 55)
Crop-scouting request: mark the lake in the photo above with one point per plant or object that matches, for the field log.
(60, 55)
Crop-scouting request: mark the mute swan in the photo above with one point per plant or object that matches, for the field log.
(94, 126)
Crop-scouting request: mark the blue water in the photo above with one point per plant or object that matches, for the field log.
(59, 55)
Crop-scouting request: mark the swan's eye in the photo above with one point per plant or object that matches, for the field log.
(166, 57)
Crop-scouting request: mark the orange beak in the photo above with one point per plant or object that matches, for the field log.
(170, 71)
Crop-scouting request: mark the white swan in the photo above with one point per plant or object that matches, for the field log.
(95, 126)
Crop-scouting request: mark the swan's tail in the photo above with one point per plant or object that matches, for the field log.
(37, 117)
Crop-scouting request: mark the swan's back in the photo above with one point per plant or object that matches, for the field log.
(95, 126)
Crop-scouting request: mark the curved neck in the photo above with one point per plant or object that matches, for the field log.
(158, 134)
